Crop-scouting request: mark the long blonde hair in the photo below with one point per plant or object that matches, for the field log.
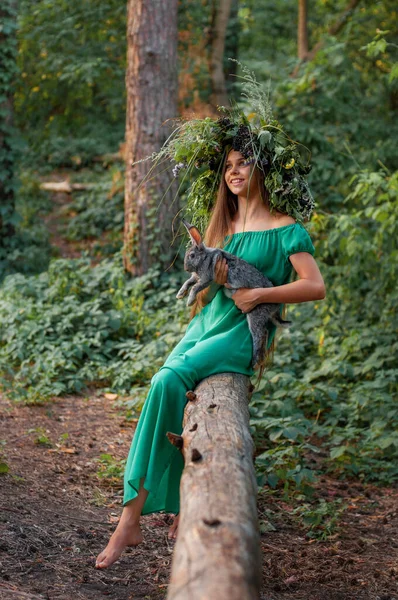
(220, 225)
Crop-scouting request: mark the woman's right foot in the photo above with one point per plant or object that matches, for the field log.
(125, 534)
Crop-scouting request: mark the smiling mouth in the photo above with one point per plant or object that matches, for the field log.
(236, 181)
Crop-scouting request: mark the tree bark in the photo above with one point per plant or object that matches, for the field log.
(221, 17)
(232, 47)
(151, 82)
(302, 30)
(217, 553)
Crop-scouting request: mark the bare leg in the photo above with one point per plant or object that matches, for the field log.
(173, 528)
(127, 532)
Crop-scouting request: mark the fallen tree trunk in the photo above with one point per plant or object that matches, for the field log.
(217, 553)
(66, 187)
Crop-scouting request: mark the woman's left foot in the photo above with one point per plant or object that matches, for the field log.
(126, 534)
(173, 528)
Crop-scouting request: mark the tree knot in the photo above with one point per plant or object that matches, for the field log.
(196, 455)
(212, 522)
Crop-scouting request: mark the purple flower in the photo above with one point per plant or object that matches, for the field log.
(177, 168)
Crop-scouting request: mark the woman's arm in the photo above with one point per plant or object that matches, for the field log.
(309, 286)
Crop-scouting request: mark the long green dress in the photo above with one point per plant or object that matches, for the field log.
(216, 340)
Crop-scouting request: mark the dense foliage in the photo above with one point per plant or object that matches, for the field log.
(8, 134)
(75, 325)
(327, 400)
(72, 78)
(334, 379)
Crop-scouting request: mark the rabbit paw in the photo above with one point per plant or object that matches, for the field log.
(191, 299)
(181, 294)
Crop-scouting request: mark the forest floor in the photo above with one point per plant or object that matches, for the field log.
(57, 514)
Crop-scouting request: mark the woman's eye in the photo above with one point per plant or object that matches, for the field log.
(243, 163)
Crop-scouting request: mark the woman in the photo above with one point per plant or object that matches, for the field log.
(216, 340)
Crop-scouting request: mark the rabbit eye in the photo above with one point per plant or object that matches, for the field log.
(192, 255)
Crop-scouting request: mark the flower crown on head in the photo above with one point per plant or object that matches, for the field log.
(203, 144)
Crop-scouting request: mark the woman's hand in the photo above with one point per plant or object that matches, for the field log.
(245, 298)
(221, 271)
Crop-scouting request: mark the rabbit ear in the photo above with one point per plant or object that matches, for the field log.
(193, 232)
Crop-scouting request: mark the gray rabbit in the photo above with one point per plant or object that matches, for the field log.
(201, 262)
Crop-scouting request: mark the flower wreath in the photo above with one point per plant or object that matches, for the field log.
(203, 144)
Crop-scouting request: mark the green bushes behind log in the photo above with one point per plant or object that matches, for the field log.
(75, 325)
(334, 377)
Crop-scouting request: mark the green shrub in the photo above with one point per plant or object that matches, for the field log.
(333, 383)
(75, 325)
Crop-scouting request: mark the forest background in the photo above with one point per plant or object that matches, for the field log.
(72, 316)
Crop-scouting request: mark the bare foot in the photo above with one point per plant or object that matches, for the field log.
(125, 534)
(174, 528)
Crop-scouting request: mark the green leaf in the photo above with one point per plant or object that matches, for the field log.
(275, 435)
(376, 47)
(393, 73)
(337, 452)
(4, 468)
(273, 480)
(266, 526)
(386, 442)
(115, 324)
(291, 433)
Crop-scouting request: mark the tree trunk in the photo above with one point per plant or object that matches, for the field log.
(217, 553)
(302, 31)
(151, 82)
(232, 47)
(222, 12)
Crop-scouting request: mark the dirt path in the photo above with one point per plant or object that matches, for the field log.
(56, 515)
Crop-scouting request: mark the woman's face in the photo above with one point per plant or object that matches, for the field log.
(238, 173)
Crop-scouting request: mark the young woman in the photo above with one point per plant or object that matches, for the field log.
(217, 339)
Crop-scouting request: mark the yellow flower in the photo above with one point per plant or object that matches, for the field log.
(289, 164)
(35, 89)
